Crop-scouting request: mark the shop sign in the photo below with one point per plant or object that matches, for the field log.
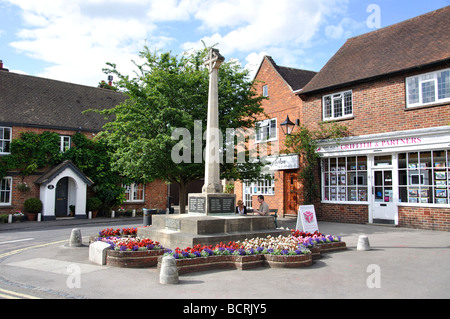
(306, 219)
(382, 143)
(285, 163)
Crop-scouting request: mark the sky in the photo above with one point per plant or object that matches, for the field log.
(72, 40)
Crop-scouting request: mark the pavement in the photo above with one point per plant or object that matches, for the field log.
(402, 263)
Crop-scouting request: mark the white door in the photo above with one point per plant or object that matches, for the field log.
(384, 208)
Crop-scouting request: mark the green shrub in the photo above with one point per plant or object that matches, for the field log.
(33, 205)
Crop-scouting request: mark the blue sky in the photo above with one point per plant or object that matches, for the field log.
(71, 40)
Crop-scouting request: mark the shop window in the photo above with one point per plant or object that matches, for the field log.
(344, 179)
(134, 193)
(5, 140)
(5, 190)
(424, 177)
(338, 105)
(429, 88)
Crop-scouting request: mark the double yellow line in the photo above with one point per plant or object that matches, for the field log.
(8, 294)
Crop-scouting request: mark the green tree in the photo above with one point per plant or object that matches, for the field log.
(170, 92)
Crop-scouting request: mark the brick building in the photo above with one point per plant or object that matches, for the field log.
(277, 83)
(33, 104)
(391, 89)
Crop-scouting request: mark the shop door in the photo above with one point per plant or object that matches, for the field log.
(61, 198)
(291, 193)
(383, 205)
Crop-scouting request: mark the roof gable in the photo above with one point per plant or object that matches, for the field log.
(296, 79)
(55, 171)
(414, 43)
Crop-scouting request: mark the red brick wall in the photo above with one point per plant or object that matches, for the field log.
(281, 103)
(424, 218)
(380, 107)
(155, 193)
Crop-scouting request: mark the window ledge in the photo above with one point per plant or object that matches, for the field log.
(418, 107)
(340, 119)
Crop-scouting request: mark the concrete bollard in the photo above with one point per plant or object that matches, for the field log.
(363, 243)
(89, 215)
(39, 217)
(169, 271)
(10, 219)
(75, 238)
(113, 214)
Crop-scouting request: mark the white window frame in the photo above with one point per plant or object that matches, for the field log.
(3, 191)
(421, 79)
(266, 131)
(3, 140)
(264, 187)
(132, 191)
(340, 189)
(334, 98)
(65, 143)
(265, 90)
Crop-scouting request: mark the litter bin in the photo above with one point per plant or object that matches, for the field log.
(148, 216)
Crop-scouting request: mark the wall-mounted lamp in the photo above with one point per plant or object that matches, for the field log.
(288, 127)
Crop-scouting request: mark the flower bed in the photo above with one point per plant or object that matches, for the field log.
(236, 255)
(296, 250)
(132, 252)
(110, 232)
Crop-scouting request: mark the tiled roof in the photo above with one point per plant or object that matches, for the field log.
(417, 42)
(33, 101)
(295, 78)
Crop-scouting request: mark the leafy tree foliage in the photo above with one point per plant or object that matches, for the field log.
(170, 92)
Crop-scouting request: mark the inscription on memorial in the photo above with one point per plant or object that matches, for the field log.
(197, 205)
(218, 205)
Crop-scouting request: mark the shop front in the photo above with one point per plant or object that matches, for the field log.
(281, 191)
(389, 174)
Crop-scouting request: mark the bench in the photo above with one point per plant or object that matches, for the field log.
(274, 211)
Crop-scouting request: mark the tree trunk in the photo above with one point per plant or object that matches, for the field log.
(182, 192)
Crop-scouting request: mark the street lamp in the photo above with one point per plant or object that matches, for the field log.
(287, 126)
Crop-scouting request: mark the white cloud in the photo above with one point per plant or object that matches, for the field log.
(344, 29)
(77, 37)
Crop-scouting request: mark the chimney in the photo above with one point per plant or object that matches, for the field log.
(110, 79)
(2, 68)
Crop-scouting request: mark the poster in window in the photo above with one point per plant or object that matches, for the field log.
(440, 175)
(441, 193)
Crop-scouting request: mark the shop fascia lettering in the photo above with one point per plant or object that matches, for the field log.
(435, 137)
(384, 143)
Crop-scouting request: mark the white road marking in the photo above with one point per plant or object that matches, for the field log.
(15, 241)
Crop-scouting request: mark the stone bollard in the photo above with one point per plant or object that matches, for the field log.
(363, 243)
(169, 271)
(75, 238)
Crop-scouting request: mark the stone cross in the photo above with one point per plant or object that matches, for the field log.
(212, 152)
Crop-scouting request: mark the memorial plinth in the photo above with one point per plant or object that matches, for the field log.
(188, 230)
(210, 219)
(211, 204)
